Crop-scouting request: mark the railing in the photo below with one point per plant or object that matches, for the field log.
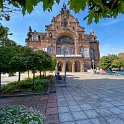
(68, 56)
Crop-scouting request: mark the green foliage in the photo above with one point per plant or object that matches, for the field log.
(97, 9)
(118, 63)
(8, 54)
(3, 32)
(4, 40)
(77, 6)
(105, 62)
(25, 86)
(21, 115)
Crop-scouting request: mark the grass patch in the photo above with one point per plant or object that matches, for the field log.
(26, 85)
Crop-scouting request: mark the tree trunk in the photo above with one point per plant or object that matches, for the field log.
(0, 81)
(28, 73)
(19, 76)
(40, 74)
(45, 73)
(33, 79)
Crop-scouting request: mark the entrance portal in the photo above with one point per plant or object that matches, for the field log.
(77, 66)
(60, 66)
(68, 66)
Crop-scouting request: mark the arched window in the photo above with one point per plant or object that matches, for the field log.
(50, 50)
(71, 51)
(80, 50)
(58, 51)
(65, 40)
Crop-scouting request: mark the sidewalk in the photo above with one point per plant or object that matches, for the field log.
(91, 99)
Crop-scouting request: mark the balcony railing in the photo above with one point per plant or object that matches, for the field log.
(68, 55)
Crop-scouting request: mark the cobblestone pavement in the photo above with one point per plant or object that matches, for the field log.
(91, 99)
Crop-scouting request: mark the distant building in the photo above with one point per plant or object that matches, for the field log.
(121, 54)
(64, 31)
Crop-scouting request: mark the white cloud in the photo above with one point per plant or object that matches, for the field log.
(111, 22)
(108, 49)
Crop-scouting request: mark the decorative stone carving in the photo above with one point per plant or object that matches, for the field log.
(80, 36)
(50, 35)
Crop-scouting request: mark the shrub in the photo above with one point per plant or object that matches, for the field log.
(25, 85)
(20, 115)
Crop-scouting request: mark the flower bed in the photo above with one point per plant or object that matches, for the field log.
(20, 115)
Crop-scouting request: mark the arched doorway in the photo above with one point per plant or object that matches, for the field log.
(77, 66)
(68, 66)
(60, 66)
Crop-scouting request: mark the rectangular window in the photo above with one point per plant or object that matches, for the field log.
(44, 49)
(86, 52)
(71, 51)
(35, 37)
(80, 50)
(92, 53)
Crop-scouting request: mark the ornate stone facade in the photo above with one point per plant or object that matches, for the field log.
(82, 50)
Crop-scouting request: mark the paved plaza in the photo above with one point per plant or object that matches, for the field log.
(91, 99)
(87, 99)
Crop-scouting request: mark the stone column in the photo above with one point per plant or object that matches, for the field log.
(82, 66)
(73, 66)
(76, 47)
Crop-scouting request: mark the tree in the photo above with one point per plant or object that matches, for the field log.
(4, 40)
(97, 9)
(31, 64)
(6, 9)
(17, 64)
(105, 62)
(19, 60)
(6, 53)
(48, 62)
(118, 62)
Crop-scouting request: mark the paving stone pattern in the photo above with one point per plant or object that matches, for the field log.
(46, 104)
(91, 99)
(87, 99)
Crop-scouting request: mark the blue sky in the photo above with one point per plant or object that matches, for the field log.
(108, 31)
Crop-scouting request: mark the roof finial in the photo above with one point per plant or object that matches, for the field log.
(30, 29)
(64, 6)
(92, 32)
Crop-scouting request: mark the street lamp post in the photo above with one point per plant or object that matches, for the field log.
(57, 66)
(65, 66)
(64, 48)
(93, 64)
